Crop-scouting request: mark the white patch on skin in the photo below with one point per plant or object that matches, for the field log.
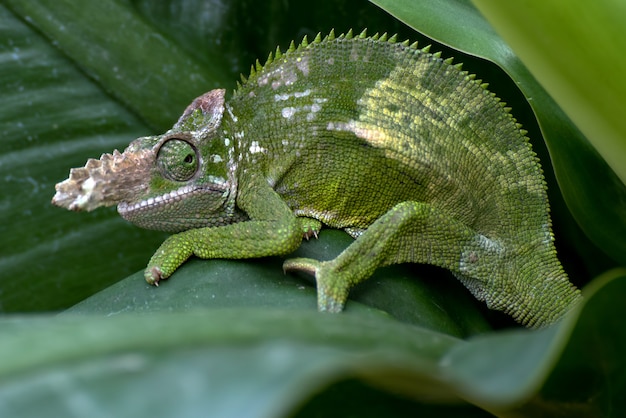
(303, 65)
(304, 93)
(548, 237)
(489, 244)
(354, 55)
(262, 81)
(287, 96)
(288, 112)
(284, 78)
(87, 187)
(231, 114)
(277, 78)
(285, 142)
(216, 158)
(239, 135)
(487, 248)
(288, 78)
(314, 109)
(255, 148)
(226, 142)
(281, 97)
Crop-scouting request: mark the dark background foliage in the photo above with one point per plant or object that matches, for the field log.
(240, 338)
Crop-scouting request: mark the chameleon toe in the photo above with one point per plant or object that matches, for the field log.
(304, 265)
(153, 275)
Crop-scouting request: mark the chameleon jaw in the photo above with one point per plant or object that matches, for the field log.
(171, 211)
(126, 208)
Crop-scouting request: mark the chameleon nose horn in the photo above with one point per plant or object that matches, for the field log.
(112, 179)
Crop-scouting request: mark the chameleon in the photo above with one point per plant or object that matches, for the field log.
(404, 150)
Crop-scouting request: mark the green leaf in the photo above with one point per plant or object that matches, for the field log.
(594, 194)
(134, 62)
(581, 69)
(253, 363)
(241, 339)
(438, 302)
(52, 118)
(263, 362)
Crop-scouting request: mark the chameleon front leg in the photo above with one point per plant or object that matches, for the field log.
(410, 231)
(273, 229)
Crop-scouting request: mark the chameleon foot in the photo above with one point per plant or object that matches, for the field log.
(332, 291)
(153, 275)
(174, 251)
(310, 227)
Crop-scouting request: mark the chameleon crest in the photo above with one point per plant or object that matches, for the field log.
(405, 151)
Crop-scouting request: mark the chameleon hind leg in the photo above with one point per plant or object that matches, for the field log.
(410, 231)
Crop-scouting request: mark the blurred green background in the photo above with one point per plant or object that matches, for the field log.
(231, 338)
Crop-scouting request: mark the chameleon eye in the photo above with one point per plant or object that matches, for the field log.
(177, 160)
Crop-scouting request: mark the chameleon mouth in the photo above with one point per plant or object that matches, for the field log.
(188, 207)
(171, 200)
(174, 196)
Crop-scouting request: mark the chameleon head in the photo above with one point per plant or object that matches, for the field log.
(171, 182)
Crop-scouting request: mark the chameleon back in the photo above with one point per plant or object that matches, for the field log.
(346, 128)
(363, 117)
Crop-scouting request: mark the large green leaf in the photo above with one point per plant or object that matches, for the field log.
(594, 194)
(225, 338)
(437, 301)
(582, 69)
(264, 362)
(52, 117)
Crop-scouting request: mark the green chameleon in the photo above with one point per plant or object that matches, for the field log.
(403, 150)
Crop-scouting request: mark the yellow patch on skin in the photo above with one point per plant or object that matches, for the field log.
(387, 122)
(373, 136)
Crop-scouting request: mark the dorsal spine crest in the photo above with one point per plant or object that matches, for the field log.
(257, 69)
(330, 36)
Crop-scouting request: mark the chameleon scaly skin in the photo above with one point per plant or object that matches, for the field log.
(405, 151)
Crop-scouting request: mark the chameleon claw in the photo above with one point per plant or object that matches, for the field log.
(153, 276)
(310, 227)
(310, 233)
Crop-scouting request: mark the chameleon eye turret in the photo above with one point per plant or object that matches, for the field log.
(405, 151)
(178, 160)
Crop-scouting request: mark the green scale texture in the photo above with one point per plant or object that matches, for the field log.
(402, 149)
